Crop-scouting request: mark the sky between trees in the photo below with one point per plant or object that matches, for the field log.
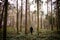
(33, 6)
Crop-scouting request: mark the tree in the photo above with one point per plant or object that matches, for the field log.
(38, 7)
(51, 13)
(29, 14)
(21, 16)
(38, 16)
(1, 15)
(55, 11)
(17, 18)
(47, 7)
(5, 19)
(51, 17)
(41, 18)
(58, 14)
(26, 18)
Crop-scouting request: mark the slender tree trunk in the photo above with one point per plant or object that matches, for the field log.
(1, 18)
(29, 11)
(58, 14)
(26, 19)
(38, 16)
(12, 19)
(51, 17)
(47, 9)
(47, 14)
(41, 21)
(17, 18)
(5, 20)
(35, 17)
(32, 17)
(29, 15)
(21, 16)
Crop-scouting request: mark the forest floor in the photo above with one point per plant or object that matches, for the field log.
(43, 35)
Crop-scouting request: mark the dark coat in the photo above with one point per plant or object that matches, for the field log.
(31, 29)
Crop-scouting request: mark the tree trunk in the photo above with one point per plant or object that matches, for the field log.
(1, 19)
(17, 18)
(29, 15)
(21, 16)
(5, 20)
(58, 14)
(41, 21)
(38, 16)
(47, 9)
(28, 8)
(51, 17)
(26, 19)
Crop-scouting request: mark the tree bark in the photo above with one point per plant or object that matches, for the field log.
(1, 19)
(51, 17)
(17, 18)
(26, 19)
(58, 14)
(38, 16)
(5, 20)
(21, 16)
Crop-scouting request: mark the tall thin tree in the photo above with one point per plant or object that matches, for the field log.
(29, 14)
(47, 9)
(21, 15)
(28, 8)
(38, 16)
(5, 20)
(51, 17)
(17, 18)
(26, 19)
(1, 19)
(58, 14)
